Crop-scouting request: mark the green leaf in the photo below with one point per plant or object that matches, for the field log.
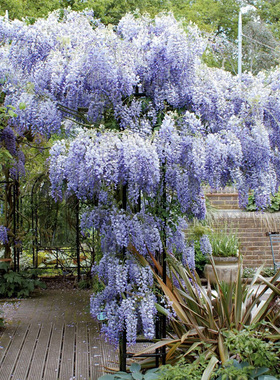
(12, 113)
(122, 373)
(161, 309)
(259, 371)
(135, 367)
(153, 370)
(5, 154)
(22, 106)
(137, 376)
(106, 377)
(209, 369)
(151, 376)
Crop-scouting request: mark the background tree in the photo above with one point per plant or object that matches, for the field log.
(31, 9)
(261, 50)
(269, 12)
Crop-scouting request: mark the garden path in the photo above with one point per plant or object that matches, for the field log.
(52, 336)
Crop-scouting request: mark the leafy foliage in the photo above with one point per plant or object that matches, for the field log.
(269, 12)
(265, 272)
(224, 243)
(273, 206)
(233, 369)
(183, 370)
(200, 259)
(17, 284)
(253, 347)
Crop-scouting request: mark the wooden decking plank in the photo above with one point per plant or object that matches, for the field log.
(6, 340)
(95, 350)
(67, 367)
(52, 365)
(82, 352)
(24, 359)
(109, 356)
(10, 359)
(40, 353)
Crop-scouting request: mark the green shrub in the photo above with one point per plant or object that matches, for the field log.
(200, 259)
(17, 284)
(273, 207)
(252, 346)
(233, 370)
(183, 370)
(265, 272)
(224, 243)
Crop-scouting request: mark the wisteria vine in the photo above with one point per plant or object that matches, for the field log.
(148, 117)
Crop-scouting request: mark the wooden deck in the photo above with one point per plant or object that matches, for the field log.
(52, 337)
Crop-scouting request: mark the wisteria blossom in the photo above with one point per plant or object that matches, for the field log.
(151, 124)
(205, 245)
(127, 298)
(3, 235)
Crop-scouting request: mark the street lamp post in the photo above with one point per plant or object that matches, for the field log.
(240, 46)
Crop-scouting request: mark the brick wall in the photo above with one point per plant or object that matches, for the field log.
(226, 199)
(252, 229)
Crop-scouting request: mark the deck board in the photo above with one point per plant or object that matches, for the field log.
(40, 353)
(52, 363)
(68, 348)
(6, 340)
(10, 360)
(82, 370)
(25, 356)
(97, 361)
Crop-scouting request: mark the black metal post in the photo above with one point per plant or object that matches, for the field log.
(34, 215)
(163, 317)
(122, 352)
(123, 340)
(17, 222)
(14, 226)
(78, 239)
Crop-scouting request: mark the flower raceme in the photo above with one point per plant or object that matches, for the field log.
(126, 299)
(3, 235)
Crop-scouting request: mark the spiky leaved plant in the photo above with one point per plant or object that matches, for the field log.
(201, 315)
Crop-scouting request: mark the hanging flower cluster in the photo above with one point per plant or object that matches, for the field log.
(3, 235)
(205, 245)
(16, 159)
(127, 300)
(105, 161)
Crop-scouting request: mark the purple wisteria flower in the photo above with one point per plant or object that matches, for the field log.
(9, 139)
(126, 299)
(205, 245)
(3, 235)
